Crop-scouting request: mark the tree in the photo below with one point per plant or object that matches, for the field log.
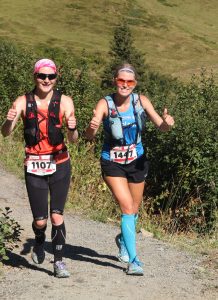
(122, 50)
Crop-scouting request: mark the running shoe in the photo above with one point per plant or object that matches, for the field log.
(134, 269)
(123, 255)
(60, 270)
(138, 261)
(38, 254)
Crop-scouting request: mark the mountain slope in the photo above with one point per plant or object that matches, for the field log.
(177, 37)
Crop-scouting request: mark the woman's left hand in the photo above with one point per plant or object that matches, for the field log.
(167, 119)
(71, 122)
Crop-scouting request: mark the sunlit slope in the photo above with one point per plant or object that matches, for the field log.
(177, 37)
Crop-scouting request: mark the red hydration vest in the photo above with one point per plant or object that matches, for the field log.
(31, 123)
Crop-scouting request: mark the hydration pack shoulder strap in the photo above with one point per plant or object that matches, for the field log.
(31, 126)
(55, 135)
(31, 107)
(116, 136)
(54, 106)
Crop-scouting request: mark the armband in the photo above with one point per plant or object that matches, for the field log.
(72, 129)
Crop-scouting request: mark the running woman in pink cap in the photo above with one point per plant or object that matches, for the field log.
(47, 162)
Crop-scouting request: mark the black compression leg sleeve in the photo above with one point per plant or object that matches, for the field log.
(58, 236)
(39, 234)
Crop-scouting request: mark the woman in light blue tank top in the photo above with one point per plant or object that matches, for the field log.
(123, 163)
(129, 127)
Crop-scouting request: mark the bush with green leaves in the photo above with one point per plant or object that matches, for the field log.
(184, 161)
(10, 232)
(78, 81)
(15, 74)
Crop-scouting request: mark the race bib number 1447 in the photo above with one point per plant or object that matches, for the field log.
(123, 154)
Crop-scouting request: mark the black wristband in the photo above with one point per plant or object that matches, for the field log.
(72, 129)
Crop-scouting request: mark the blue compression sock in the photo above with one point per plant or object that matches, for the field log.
(136, 216)
(128, 233)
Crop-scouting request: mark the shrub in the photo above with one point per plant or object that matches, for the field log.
(10, 232)
(15, 74)
(183, 161)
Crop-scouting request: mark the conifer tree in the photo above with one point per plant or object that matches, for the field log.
(122, 50)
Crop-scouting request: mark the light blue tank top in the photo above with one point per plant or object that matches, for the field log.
(130, 132)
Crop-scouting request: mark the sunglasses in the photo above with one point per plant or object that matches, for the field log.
(121, 82)
(43, 76)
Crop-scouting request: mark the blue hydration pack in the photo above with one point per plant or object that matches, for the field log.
(116, 135)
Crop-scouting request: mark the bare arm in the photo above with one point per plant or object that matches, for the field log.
(99, 113)
(13, 115)
(69, 113)
(164, 123)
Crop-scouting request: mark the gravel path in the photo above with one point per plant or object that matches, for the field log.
(91, 259)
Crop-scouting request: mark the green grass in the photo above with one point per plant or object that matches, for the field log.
(178, 37)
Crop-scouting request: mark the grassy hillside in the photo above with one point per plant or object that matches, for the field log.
(178, 37)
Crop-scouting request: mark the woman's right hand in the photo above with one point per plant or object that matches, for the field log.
(12, 113)
(98, 114)
(95, 121)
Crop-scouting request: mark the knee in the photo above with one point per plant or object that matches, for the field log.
(56, 219)
(40, 223)
(127, 209)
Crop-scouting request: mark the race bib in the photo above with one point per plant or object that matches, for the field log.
(123, 154)
(41, 165)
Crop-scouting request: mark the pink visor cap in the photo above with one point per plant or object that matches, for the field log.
(45, 62)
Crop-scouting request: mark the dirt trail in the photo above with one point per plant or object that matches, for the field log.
(91, 259)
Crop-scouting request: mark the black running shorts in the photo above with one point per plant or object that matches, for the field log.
(135, 172)
(38, 187)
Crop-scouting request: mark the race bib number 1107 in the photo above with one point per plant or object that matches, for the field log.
(41, 165)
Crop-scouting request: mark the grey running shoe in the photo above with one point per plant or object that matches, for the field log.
(123, 255)
(141, 264)
(134, 269)
(60, 270)
(38, 254)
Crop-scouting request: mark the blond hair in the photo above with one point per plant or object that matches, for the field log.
(125, 67)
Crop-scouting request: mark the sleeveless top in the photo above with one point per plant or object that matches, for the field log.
(129, 130)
